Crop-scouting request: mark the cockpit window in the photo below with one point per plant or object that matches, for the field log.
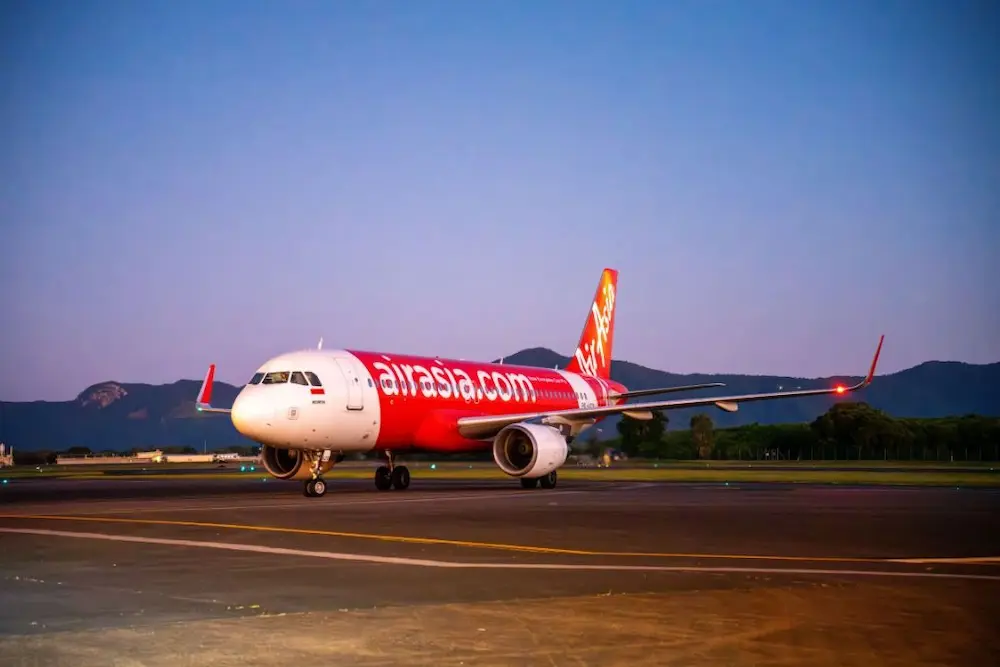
(257, 377)
(313, 380)
(298, 378)
(277, 377)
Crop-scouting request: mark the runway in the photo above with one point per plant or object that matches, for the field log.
(252, 573)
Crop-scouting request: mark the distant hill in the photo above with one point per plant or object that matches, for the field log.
(121, 416)
(932, 389)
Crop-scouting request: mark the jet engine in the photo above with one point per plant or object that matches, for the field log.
(529, 450)
(291, 463)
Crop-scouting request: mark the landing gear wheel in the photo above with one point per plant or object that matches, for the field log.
(549, 481)
(383, 478)
(529, 483)
(314, 488)
(400, 477)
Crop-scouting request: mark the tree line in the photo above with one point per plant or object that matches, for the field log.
(847, 431)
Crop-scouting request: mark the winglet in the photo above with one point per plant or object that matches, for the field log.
(204, 400)
(871, 371)
(205, 394)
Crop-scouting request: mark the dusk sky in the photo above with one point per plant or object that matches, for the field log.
(778, 183)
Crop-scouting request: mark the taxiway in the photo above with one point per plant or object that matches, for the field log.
(252, 573)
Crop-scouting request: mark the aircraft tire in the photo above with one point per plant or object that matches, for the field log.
(383, 480)
(400, 477)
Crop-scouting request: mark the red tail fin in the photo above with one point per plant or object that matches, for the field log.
(593, 353)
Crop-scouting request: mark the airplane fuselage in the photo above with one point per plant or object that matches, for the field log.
(357, 401)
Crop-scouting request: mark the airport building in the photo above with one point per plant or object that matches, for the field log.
(153, 456)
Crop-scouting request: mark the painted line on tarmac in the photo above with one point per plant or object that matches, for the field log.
(306, 503)
(445, 542)
(967, 560)
(424, 562)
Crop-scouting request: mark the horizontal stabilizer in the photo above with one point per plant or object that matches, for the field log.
(635, 393)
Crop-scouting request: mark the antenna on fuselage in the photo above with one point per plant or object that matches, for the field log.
(501, 361)
(320, 346)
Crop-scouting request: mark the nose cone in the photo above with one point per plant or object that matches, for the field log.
(252, 415)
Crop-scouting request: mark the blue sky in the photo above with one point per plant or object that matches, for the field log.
(777, 182)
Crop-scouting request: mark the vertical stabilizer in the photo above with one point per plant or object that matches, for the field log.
(593, 352)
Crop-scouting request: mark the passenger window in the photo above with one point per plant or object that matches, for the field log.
(277, 377)
(313, 380)
(257, 377)
(299, 378)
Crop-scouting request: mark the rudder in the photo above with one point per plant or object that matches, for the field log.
(593, 352)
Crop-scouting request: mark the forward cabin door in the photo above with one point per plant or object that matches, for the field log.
(355, 396)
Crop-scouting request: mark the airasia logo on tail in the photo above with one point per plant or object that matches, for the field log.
(592, 355)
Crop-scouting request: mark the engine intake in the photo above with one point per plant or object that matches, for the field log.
(291, 463)
(529, 450)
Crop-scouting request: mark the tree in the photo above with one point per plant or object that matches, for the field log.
(642, 436)
(701, 431)
(856, 425)
(651, 444)
(630, 430)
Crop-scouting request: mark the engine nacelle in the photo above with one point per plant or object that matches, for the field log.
(529, 450)
(291, 463)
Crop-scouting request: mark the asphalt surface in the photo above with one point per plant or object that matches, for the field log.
(225, 572)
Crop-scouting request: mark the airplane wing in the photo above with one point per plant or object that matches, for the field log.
(204, 402)
(635, 393)
(488, 426)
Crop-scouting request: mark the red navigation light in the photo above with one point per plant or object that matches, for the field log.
(840, 389)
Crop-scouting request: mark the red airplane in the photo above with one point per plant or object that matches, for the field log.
(309, 409)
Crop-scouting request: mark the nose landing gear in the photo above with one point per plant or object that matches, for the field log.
(316, 486)
(391, 476)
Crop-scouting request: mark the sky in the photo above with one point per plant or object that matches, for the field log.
(777, 182)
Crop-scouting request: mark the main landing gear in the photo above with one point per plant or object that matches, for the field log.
(546, 482)
(391, 476)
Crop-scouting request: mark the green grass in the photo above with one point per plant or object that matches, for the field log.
(487, 471)
(824, 465)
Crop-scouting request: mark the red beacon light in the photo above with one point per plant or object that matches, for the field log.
(841, 389)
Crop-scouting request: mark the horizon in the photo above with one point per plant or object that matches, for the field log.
(238, 384)
(777, 183)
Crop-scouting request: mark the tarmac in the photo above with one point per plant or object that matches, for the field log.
(249, 572)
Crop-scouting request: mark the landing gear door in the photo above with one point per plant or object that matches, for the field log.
(355, 396)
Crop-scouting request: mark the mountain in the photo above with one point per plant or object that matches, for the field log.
(932, 389)
(121, 416)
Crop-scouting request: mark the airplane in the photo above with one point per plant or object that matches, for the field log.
(309, 409)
